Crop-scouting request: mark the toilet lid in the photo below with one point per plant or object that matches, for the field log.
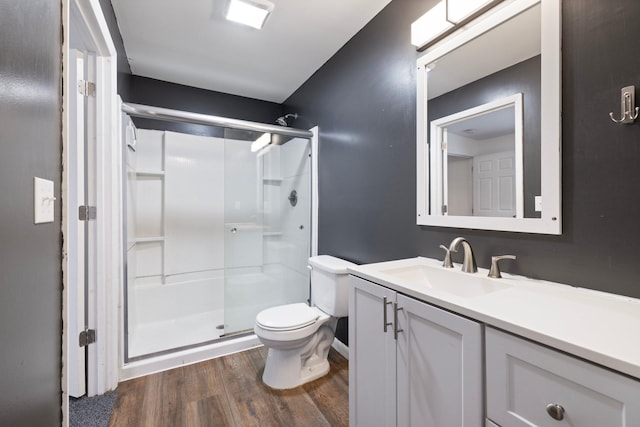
(287, 317)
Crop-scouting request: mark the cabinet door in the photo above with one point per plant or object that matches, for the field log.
(372, 355)
(523, 378)
(439, 357)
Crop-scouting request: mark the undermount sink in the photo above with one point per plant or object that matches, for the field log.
(447, 280)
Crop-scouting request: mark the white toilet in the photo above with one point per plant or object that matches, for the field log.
(299, 336)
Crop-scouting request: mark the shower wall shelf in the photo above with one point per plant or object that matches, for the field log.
(149, 239)
(271, 180)
(149, 173)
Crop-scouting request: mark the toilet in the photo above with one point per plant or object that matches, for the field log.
(299, 336)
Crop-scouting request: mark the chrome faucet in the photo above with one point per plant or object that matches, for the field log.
(494, 272)
(469, 262)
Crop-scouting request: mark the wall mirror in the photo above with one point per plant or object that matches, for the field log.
(488, 137)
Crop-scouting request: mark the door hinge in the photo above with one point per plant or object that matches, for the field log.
(85, 213)
(444, 209)
(88, 336)
(86, 88)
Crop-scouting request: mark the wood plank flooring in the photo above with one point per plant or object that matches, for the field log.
(228, 391)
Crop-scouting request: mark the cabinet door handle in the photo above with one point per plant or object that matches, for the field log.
(396, 309)
(555, 411)
(385, 324)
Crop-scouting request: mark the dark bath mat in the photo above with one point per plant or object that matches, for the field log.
(91, 411)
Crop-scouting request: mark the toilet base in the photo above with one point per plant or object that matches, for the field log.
(292, 367)
(283, 369)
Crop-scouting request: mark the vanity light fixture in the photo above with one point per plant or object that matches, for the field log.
(253, 13)
(260, 143)
(445, 18)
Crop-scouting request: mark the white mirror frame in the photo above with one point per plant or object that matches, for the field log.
(550, 132)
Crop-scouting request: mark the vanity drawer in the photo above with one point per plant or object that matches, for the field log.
(523, 378)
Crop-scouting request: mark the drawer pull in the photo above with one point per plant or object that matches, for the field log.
(555, 411)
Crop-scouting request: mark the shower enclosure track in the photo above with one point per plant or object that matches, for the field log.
(158, 113)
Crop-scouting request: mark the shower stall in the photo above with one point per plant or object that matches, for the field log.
(218, 228)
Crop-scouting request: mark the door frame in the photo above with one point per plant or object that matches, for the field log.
(102, 372)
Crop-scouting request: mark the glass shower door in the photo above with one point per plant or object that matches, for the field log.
(267, 229)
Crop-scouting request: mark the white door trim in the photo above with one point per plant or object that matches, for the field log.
(74, 232)
(86, 16)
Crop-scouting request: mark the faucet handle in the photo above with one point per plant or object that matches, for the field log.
(494, 272)
(446, 263)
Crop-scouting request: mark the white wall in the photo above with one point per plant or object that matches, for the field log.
(462, 146)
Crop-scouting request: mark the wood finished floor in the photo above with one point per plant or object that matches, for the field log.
(228, 391)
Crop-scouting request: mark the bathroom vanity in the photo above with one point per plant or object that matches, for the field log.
(431, 346)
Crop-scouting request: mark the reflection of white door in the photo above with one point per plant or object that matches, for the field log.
(460, 185)
(494, 185)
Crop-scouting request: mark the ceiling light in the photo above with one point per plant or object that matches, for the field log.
(446, 17)
(260, 143)
(253, 13)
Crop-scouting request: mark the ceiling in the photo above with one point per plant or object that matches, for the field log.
(189, 42)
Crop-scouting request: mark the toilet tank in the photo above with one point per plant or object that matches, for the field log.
(329, 284)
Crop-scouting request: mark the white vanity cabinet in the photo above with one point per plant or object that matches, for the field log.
(524, 378)
(411, 364)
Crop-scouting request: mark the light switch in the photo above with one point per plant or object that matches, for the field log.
(43, 200)
(538, 203)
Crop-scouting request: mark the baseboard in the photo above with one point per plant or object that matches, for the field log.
(340, 348)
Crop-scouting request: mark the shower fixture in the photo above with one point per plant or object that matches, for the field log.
(282, 121)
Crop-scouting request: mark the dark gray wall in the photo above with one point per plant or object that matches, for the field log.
(363, 100)
(143, 90)
(30, 255)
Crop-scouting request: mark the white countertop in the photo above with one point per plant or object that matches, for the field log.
(597, 326)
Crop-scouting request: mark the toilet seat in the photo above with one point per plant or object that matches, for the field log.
(287, 317)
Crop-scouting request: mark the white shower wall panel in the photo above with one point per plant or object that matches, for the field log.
(296, 225)
(242, 181)
(272, 193)
(151, 144)
(193, 203)
(296, 220)
(243, 245)
(148, 259)
(179, 296)
(149, 206)
(295, 158)
(242, 206)
(275, 285)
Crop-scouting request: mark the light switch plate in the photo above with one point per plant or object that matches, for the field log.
(43, 201)
(538, 203)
